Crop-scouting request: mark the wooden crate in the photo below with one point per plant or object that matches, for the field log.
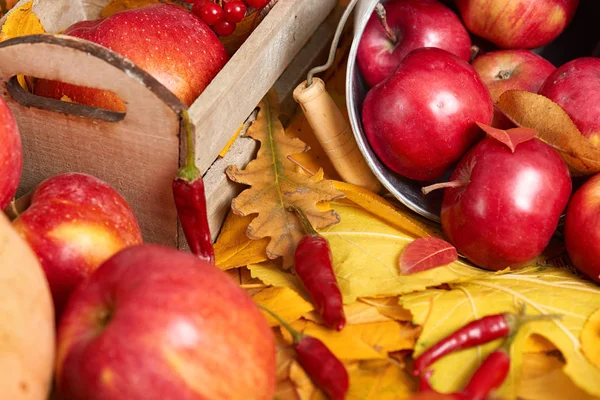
(139, 152)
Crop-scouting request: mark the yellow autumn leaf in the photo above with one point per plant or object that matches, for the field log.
(21, 21)
(406, 221)
(365, 259)
(379, 380)
(275, 186)
(542, 378)
(285, 302)
(590, 338)
(389, 307)
(356, 313)
(546, 290)
(364, 341)
(233, 249)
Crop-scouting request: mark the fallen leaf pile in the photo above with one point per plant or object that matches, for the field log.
(392, 317)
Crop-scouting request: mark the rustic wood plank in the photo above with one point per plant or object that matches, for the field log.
(138, 156)
(219, 189)
(251, 72)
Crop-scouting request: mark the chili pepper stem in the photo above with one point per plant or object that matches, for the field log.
(189, 172)
(296, 336)
(310, 230)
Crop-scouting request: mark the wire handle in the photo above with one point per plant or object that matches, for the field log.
(334, 44)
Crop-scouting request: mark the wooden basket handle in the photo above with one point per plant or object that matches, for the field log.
(84, 63)
(334, 133)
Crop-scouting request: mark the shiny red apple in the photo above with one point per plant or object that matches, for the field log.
(582, 229)
(507, 205)
(170, 43)
(154, 323)
(74, 223)
(575, 86)
(504, 70)
(415, 24)
(11, 155)
(517, 24)
(421, 119)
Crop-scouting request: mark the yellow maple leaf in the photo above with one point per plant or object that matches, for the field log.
(275, 186)
(116, 6)
(364, 341)
(389, 307)
(287, 303)
(379, 380)
(233, 249)
(542, 378)
(365, 259)
(590, 338)
(356, 313)
(547, 290)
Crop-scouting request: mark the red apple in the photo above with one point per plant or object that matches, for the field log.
(11, 156)
(582, 229)
(170, 43)
(575, 86)
(504, 70)
(421, 119)
(507, 205)
(74, 223)
(415, 23)
(517, 24)
(154, 323)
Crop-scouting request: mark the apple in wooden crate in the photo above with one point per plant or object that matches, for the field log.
(575, 86)
(517, 24)
(155, 323)
(11, 155)
(74, 223)
(170, 43)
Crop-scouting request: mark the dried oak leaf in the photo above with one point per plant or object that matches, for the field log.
(275, 186)
(554, 127)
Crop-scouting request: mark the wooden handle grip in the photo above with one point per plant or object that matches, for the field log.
(335, 135)
(84, 63)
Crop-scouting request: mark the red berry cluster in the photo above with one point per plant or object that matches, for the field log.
(223, 15)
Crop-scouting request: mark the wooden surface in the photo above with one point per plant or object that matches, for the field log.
(251, 72)
(138, 155)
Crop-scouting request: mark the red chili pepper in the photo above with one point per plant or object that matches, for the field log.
(321, 365)
(190, 201)
(314, 267)
(473, 334)
(490, 375)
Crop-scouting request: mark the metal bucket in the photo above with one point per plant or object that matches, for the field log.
(405, 190)
(579, 40)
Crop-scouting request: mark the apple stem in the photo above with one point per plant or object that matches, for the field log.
(296, 336)
(443, 185)
(189, 172)
(18, 206)
(474, 51)
(380, 10)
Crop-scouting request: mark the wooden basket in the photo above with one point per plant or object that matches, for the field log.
(138, 152)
